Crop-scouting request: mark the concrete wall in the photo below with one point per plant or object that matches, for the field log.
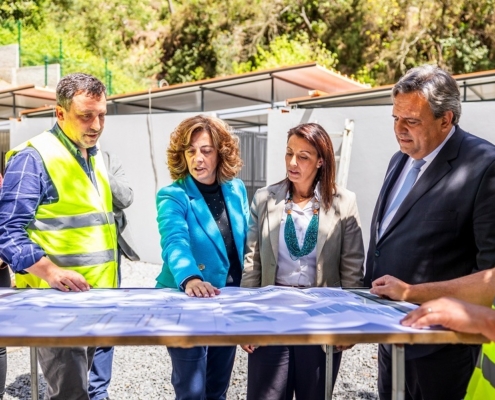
(11, 73)
(36, 75)
(9, 56)
(9, 62)
(374, 144)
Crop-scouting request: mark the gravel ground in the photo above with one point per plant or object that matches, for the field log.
(143, 372)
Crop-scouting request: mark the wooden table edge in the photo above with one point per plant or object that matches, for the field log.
(190, 340)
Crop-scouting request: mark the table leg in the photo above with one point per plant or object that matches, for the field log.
(398, 375)
(329, 373)
(34, 373)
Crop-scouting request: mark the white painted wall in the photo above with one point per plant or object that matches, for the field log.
(374, 144)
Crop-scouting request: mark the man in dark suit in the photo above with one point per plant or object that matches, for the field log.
(434, 219)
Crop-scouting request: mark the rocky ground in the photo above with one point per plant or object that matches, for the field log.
(143, 372)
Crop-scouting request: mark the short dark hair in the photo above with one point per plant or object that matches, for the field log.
(72, 84)
(436, 85)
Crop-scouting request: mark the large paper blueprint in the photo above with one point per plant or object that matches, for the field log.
(115, 312)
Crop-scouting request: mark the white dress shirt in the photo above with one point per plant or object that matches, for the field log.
(400, 181)
(300, 272)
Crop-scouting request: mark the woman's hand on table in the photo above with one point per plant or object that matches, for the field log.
(199, 288)
(248, 348)
(342, 348)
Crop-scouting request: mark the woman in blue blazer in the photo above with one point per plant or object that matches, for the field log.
(202, 219)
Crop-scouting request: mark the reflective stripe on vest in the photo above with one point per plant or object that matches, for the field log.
(80, 221)
(86, 259)
(78, 231)
(482, 383)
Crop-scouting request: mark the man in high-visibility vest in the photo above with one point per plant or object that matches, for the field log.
(461, 304)
(57, 228)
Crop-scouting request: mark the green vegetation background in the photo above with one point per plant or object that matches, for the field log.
(374, 41)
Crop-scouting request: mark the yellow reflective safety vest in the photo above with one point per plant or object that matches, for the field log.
(482, 383)
(78, 231)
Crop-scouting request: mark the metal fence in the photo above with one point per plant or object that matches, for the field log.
(253, 152)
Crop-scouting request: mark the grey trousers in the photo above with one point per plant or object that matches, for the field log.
(4, 282)
(3, 370)
(66, 371)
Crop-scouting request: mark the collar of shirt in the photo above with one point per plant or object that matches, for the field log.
(429, 158)
(69, 144)
(400, 181)
(59, 133)
(310, 203)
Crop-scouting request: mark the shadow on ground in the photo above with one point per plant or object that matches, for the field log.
(21, 387)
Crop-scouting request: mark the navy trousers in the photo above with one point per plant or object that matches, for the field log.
(100, 373)
(201, 373)
(101, 370)
(442, 375)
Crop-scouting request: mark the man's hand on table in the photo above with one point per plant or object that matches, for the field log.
(390, 287)
(59, 278)
(449, 313)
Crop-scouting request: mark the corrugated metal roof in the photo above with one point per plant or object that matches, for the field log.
(477, 86)
(26, 97)
(243, 100)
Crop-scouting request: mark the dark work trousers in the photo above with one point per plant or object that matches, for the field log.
(279, 372)
(201, 373)
(66, 371)
(4, 282)
(101, 370)
(3, 370)
(442, 375)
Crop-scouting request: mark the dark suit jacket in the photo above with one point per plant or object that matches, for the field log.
(445, 227)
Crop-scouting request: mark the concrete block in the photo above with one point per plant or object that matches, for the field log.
(36, 75)
(9, 56)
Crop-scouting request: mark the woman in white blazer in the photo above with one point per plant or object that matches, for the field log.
(303, 232)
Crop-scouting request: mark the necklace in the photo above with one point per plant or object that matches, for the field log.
(298, 196)
(290, 231)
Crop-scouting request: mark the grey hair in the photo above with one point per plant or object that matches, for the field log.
(436, 85)
(73, 84)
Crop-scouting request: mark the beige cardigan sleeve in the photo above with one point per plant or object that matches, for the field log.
(352, 250)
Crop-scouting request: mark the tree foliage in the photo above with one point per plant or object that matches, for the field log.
(286, 51)
(30, 12)
(375, 41)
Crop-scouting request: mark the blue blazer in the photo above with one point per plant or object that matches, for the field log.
(190, 239)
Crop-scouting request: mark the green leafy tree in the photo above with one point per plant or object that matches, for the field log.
(375, 41)
(204, 37)
(38, 44)
(29, 12)
(126, 32)
(283, 51)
